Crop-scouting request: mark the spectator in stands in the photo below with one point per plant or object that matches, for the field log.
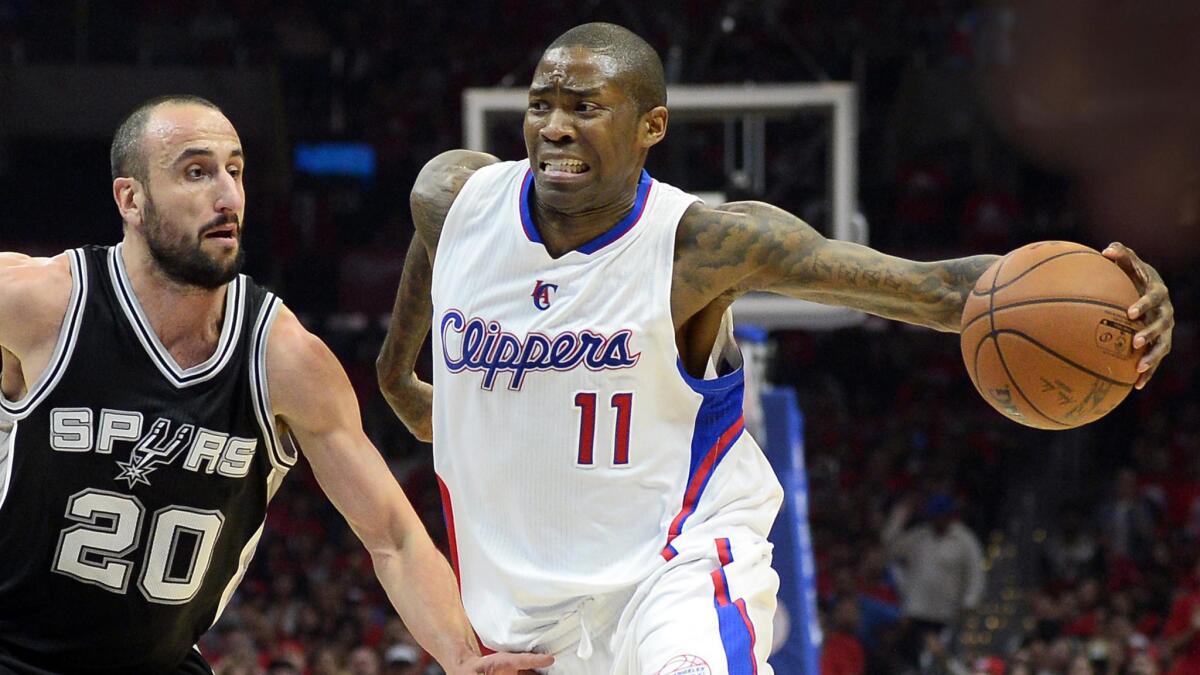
(1181, 635)
(363, 661)
(324, 661)
(1127, 520)
(283, 668)
(942, 564)
(875, 618)
(1071, 551)
(841, 652)
(401, 659)
(939, 660)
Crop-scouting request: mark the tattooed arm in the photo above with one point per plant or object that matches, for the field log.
(437, 187)
(746, 246)
(435, 190)
(410, 398)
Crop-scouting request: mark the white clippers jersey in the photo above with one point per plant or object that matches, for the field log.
(575, 454)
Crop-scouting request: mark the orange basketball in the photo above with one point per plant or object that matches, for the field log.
(1045, 336)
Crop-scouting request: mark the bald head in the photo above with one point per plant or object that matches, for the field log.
(127, 156)
(640, 69)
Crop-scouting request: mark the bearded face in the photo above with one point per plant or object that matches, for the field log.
(181, 254)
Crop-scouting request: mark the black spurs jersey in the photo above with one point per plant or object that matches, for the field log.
(132, 491)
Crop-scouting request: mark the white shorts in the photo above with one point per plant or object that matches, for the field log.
(708, 611)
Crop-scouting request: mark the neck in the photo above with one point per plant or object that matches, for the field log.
(180, 314)
(562, 231)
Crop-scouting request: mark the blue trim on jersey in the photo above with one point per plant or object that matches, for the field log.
(718, 426)
(526, 218)
(735, 634)
(720, 410)
(733, 619)
(604, 239)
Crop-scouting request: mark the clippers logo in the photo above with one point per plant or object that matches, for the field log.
(483, 346)
(153, 450)
(541, 294)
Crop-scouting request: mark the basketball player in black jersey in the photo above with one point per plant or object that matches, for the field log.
(147, 389)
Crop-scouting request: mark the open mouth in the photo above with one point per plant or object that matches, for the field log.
(221, 233)
(573, 166)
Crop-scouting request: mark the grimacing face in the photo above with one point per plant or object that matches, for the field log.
(194, 200)
(583, 133)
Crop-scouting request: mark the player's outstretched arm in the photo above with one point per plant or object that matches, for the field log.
(434, 192)
(312, 396)
(746, 246)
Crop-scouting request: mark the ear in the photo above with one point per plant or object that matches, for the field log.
(653, 126)
(128, 194)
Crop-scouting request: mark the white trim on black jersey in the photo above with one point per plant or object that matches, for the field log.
(235, 302)
(8, 441)
(274, 479)
(67, 337)
(260, 391)
(196, 648)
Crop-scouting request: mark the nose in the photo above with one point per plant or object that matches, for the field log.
(231, 196)
(558, 127)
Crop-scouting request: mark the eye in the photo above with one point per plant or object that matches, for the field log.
(194, 172)
(586, 107)
(538, 106)
(235, 171)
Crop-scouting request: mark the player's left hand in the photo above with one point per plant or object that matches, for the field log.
(503, 663)
(1154, 308)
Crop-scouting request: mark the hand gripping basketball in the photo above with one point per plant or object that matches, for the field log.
(1154, 308)
(1052, 333)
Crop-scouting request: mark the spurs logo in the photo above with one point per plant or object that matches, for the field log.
(207, 451)
(154, 450)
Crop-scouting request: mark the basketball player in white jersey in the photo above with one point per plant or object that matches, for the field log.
(145, 390)
(603, 501)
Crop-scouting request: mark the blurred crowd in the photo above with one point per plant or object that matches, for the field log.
(917, 485)
(1107, 578)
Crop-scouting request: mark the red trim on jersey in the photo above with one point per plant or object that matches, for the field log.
(448, 512)
(720, 588)
(723, 602)
(691, 496)
(724, 553)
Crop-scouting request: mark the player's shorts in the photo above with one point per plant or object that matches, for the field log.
(708, 611)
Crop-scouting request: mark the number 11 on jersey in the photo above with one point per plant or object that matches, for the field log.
(620, 402)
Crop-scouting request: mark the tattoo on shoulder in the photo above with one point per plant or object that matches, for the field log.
(717, 247)
(438, 186)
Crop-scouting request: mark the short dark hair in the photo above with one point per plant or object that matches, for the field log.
(638, 61)
(126, 157)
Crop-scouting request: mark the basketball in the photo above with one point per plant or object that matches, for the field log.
(1045, 335)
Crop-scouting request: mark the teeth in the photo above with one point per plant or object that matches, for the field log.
(566, 165)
